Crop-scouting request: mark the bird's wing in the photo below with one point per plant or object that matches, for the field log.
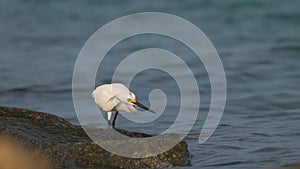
(113, 97)
(122, 105)
(104, 99)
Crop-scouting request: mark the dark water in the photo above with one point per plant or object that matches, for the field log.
(258, 42)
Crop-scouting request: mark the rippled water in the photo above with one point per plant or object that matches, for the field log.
(258, 42)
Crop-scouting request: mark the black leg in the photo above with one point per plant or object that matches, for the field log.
(114, 120)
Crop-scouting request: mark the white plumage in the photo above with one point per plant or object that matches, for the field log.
(116, 97)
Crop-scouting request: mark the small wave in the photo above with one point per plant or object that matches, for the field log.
(270, 150)
(224, 164)
(292, 47)
(38, 89)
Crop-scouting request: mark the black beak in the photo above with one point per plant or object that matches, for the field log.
(143, 106)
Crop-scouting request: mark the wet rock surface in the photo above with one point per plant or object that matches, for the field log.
(68, 146)
(291, 166)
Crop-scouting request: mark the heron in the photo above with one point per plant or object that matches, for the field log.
(116, 97)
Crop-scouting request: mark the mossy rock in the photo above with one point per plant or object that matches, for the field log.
(68, 146)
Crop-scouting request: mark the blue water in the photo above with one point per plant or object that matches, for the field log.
(258, 43)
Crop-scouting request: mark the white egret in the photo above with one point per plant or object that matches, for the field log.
(116, 97)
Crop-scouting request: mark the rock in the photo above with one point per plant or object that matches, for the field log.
(68, 146)
(290, 166)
